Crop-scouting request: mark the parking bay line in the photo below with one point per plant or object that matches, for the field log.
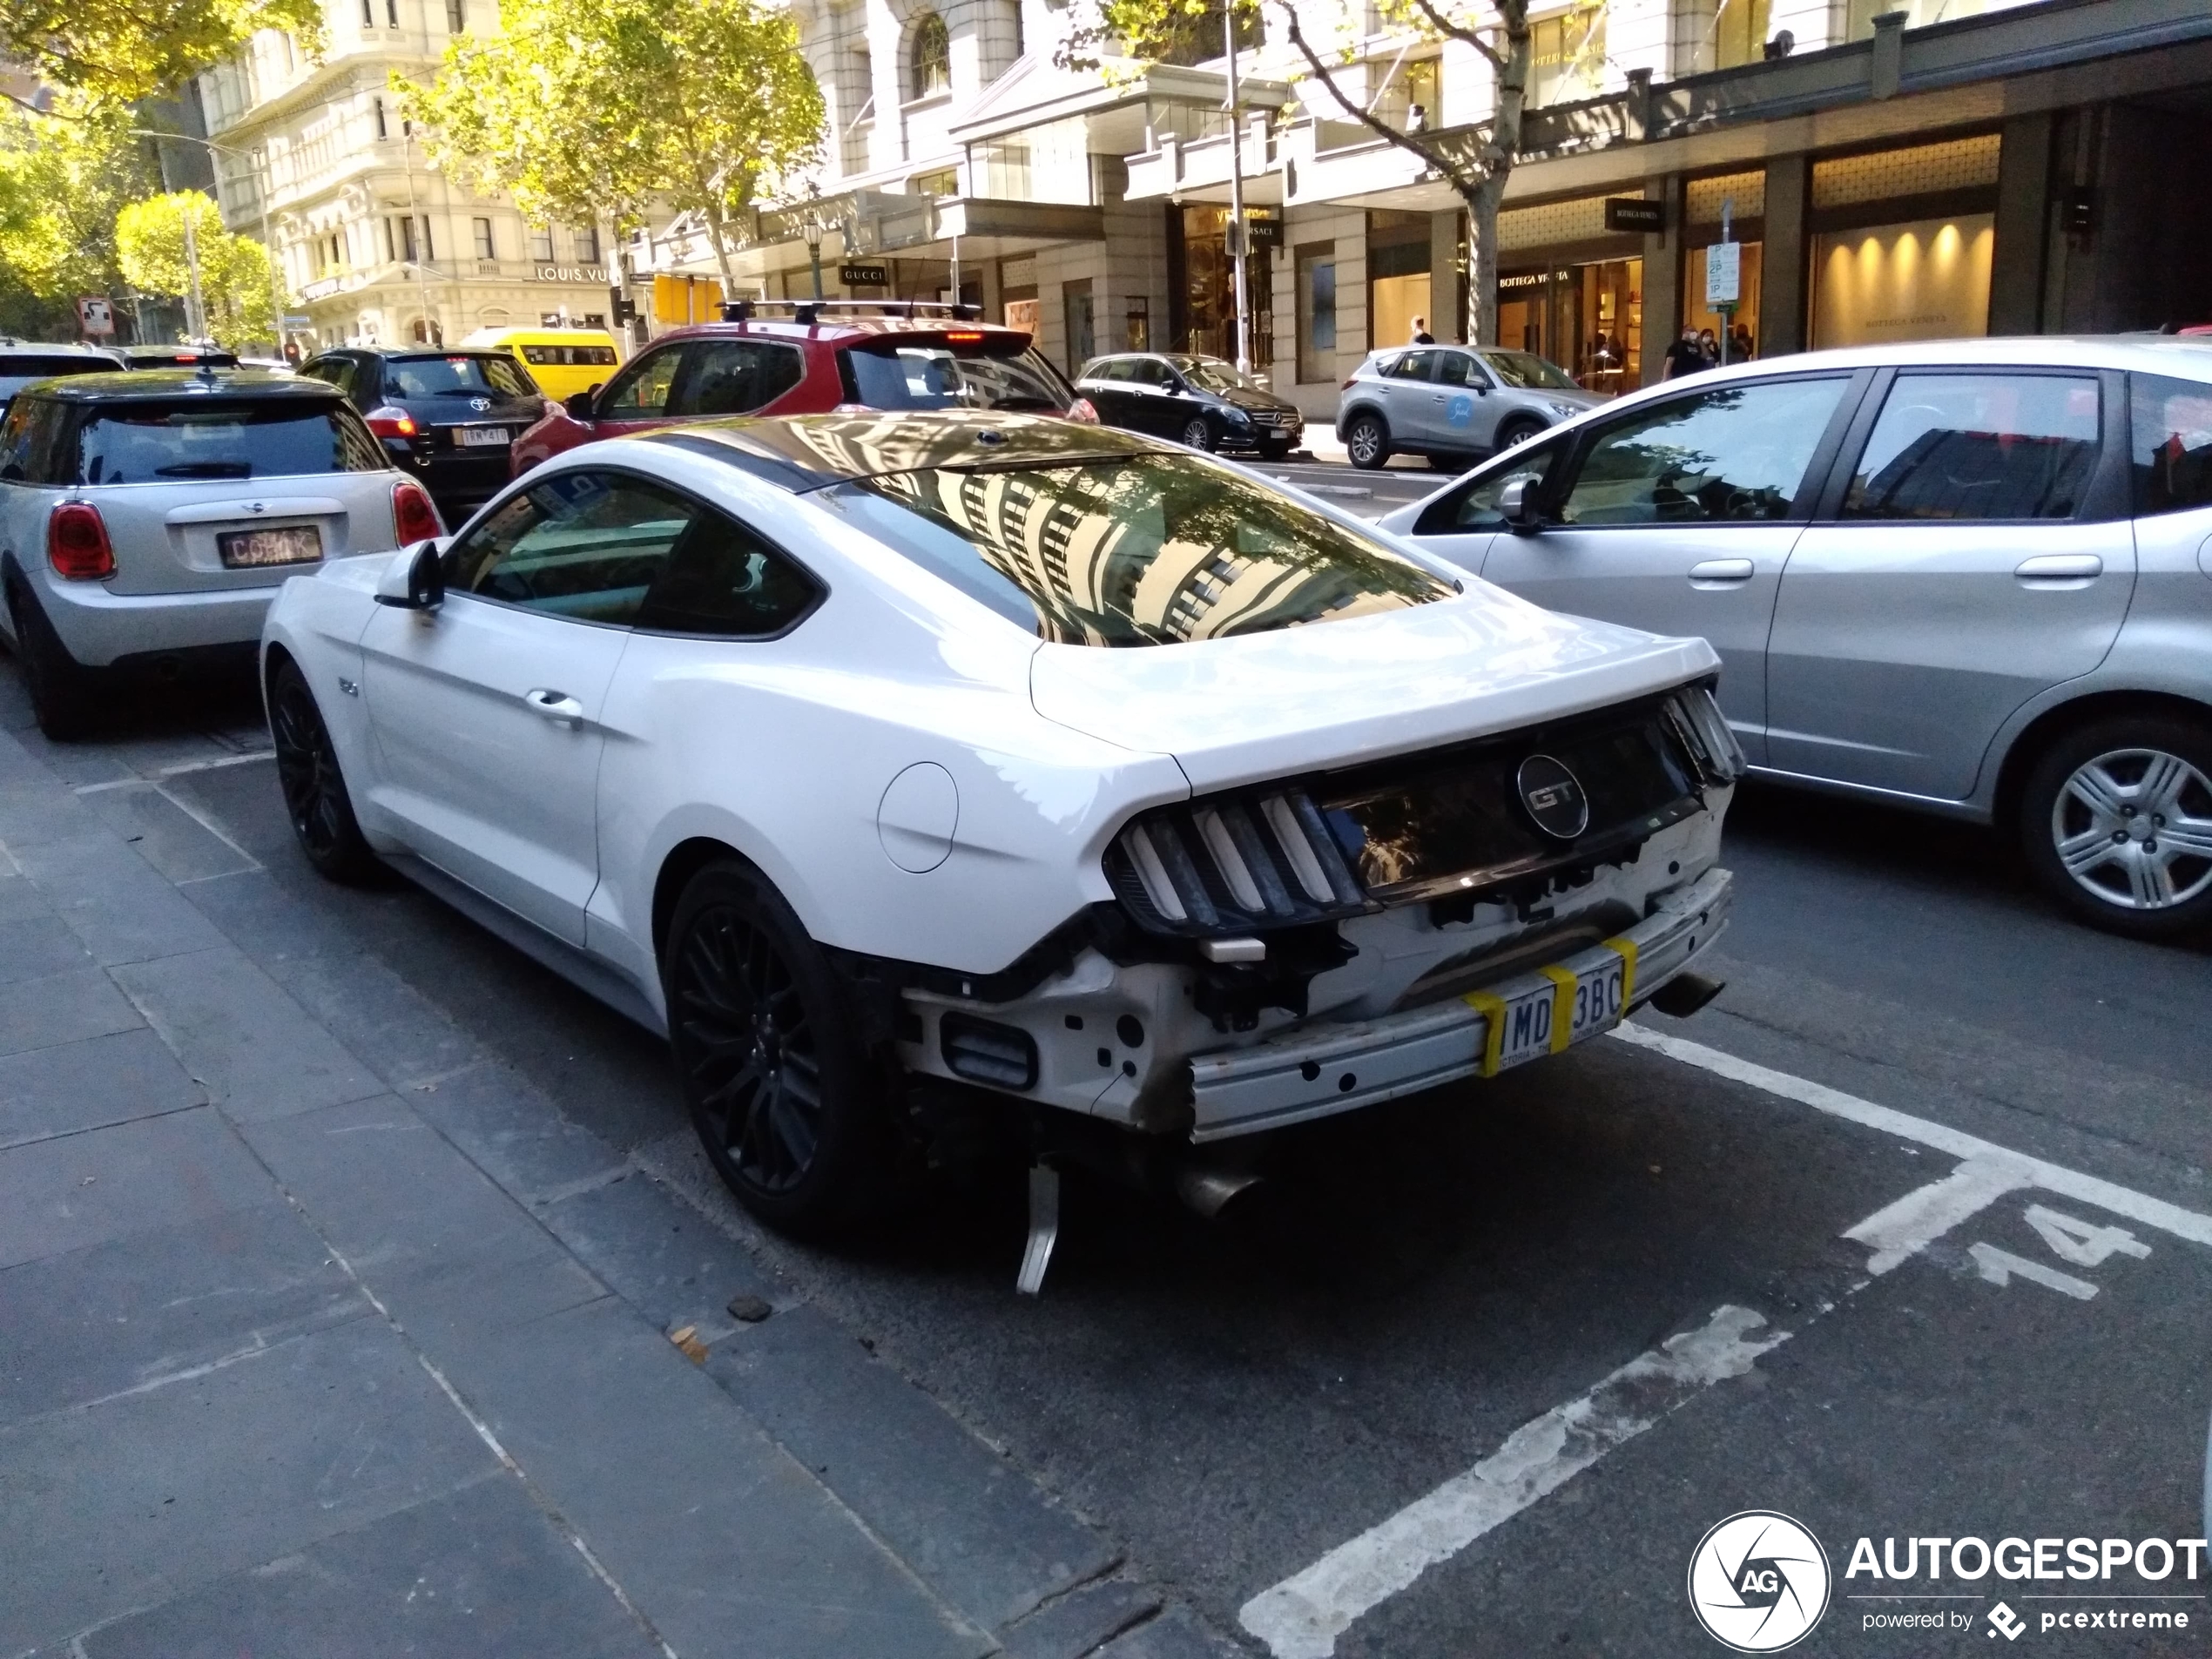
(1301, 1617)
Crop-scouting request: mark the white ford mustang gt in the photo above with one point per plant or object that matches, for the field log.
(866, 755)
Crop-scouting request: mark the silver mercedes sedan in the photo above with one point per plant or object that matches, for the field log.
(1971, 577)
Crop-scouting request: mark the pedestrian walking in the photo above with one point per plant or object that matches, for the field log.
(1682, 357)
(1421, 335)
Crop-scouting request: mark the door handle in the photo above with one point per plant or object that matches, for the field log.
(1723, 571)
(558, 706)
(2060, 567)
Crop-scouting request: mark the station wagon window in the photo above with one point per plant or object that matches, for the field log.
(174, 441)
(640, 392)
(1734, 453)
(584, 545)
(2170, 423)
(732, 377)
(1978, 446)
(1138, 549)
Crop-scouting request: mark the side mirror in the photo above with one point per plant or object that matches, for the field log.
(1517, 506)
(416, 580)
(578, 404)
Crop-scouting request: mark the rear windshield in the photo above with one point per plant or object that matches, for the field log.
(936, 377)
(1143, 550)
(150, 443)
(17, 372)
(455, 377)
(569, 356)
(1528, 372)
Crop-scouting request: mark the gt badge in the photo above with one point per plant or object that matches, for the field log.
(1554, 797)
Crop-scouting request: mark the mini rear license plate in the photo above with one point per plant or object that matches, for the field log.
(298, 544)
(1545, 1019)
(470, 437)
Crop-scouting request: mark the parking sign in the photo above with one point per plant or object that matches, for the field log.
(95, 316)
(1723, 274)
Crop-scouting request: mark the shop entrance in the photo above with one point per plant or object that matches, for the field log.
(1588, 318)
(1205, 293)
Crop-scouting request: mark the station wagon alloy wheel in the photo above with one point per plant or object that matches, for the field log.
(2134, 828)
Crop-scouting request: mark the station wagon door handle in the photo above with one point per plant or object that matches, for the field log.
(2060, 567)
(557, 706)
(1721, 570)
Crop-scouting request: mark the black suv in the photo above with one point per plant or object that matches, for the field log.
(187, 356)
(449, 417)
(1202, 401)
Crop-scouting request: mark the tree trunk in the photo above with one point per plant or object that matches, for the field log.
(1483, 194)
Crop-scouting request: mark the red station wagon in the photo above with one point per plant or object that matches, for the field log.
(825, 355)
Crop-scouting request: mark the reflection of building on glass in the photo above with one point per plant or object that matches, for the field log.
(1155, 545)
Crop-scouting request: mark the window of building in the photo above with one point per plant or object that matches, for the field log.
(541, 244)
(1739, 33)
(930, 57)
(392, 12)
(369, 14)
(1926, 279)
(944, 183)
(430, 251)
(485, 249)
(407, 241)
(383, 129)
(584, 239)
(1567, 56)
(1316, 312)
(456, 17)
(1077, 300)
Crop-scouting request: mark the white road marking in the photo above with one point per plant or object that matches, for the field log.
(1301, 1617)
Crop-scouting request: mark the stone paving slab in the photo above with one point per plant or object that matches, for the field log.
(61, 1008)
(71, 1086)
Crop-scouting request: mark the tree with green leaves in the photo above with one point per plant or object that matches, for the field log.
(62, 183)
(107, 53)
(587, 110)
(1476, 162)
(158, 255)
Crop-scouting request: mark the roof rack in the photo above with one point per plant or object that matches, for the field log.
(809, 310)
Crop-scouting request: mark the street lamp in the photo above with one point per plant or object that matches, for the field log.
(810, 226)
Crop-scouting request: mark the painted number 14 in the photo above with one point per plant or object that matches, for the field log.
(2071, 1240)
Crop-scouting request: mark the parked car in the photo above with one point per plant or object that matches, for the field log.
(809, 357)
(183, 356)
(1201, 401)
(561, 361)
(1968, 578)
(449, 417)
(1166, 806)
(21, 363)
(1451, 403)
(147, 519)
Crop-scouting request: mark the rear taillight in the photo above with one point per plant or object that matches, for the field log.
(76, 543)
(1085, 411)
(1346, 386)
(392, 422)
(414, 518)
(1232, 865)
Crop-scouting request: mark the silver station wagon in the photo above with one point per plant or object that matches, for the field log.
(1971, 577)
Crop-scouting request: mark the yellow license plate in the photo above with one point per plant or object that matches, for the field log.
(1570, 1003)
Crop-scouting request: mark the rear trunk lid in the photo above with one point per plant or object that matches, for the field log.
(1255, 706)
(236, 533)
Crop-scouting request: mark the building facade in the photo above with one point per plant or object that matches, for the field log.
(1953, 167)
(375, 245)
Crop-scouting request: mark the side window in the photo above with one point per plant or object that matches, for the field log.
(724, 580)
(2170, 423)
(640, 393)
(1733, 454)
(1151, 371)
(1456, 368)
(1978, 445)
(732, 377)
(585, 545)
(1413, 366)
(1473, 505)
(15, 441)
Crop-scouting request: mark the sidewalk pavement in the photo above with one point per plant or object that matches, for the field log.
(325, 1334)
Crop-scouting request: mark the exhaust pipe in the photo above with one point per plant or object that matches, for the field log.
(1208, 1192)
(1685, 994)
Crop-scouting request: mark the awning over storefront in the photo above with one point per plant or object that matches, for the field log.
(866, 224)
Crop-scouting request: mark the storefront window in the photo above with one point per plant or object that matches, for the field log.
(1928, 279)
(1586, 318)
(1317, 313)
(1567, 56)
(1209, 311)
(1398, 277)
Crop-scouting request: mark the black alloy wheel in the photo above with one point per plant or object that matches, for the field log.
(315, 789)
(770, 1057)
(62, 689)
(1197, 432)
(1367, 441)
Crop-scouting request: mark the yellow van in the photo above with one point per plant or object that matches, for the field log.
(561, 361)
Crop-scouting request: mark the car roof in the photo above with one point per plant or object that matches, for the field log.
(836, 329)
(59, 349)
(186, 383)
(804, 452)
(484, 339)
(403, 354)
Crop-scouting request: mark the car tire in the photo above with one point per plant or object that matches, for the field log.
(1197, 432)
(64, 692)
(1513, 430)
(760, 1023)
(1366, 443)
(315, 797)
(2093, 816)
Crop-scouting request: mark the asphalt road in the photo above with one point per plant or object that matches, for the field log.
(1369, 495)
(1326, 1394)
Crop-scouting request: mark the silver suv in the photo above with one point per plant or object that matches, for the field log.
(1970, 578)
(1451, 403)
(147, 519)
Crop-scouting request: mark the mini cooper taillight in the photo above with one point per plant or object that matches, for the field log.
(76, 543)
(414, 518)
(389, 420)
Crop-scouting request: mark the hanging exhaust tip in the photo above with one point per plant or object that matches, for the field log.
(1685, 994)
(1208, 1192)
